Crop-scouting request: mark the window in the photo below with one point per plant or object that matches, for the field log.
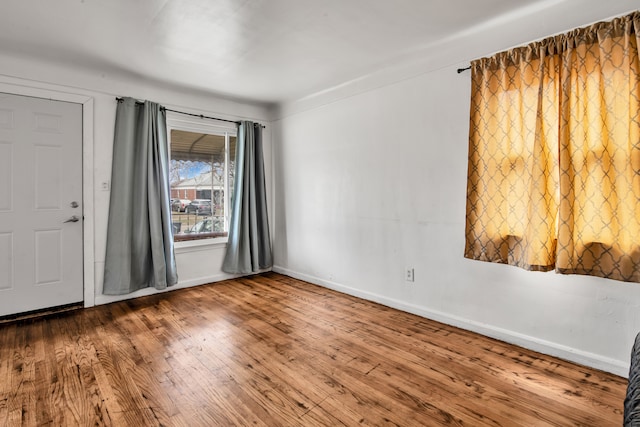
(201, 171)
(554, 154)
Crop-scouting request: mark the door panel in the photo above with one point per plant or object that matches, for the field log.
(48, 165)
(6, 261)
(6, 176)
(41, 261)
(48, 256)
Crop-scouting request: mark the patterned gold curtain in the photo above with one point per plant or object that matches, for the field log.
(554, 154)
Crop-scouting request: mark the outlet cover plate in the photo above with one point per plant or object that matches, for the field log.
(408, 276)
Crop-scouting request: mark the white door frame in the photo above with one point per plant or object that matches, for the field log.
(87, 172)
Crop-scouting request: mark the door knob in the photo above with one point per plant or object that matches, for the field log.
(74, 204)
(74, 218)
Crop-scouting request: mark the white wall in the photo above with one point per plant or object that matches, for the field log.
(371, 178)
(197, 264)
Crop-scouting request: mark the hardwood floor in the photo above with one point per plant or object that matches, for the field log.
(274, 351)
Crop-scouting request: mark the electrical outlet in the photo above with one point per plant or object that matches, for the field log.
(408, 275)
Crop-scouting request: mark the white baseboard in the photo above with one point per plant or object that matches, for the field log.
(584, 358)
(106, 299)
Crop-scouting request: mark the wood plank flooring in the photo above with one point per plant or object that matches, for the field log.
(269, 350)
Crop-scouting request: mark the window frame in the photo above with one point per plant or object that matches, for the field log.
(175, 121)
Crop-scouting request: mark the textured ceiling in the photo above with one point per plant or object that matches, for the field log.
(264, 50)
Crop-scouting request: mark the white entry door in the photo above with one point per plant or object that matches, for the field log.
(41, 264)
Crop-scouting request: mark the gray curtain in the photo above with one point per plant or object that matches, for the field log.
(139, 235)
(249, 244)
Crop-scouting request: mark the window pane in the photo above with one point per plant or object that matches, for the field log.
(197, 175)
(231, 169)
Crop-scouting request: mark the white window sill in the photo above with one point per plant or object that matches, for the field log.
(200, 244)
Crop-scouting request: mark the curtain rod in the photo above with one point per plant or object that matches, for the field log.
(202, 116)
(460, 70)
